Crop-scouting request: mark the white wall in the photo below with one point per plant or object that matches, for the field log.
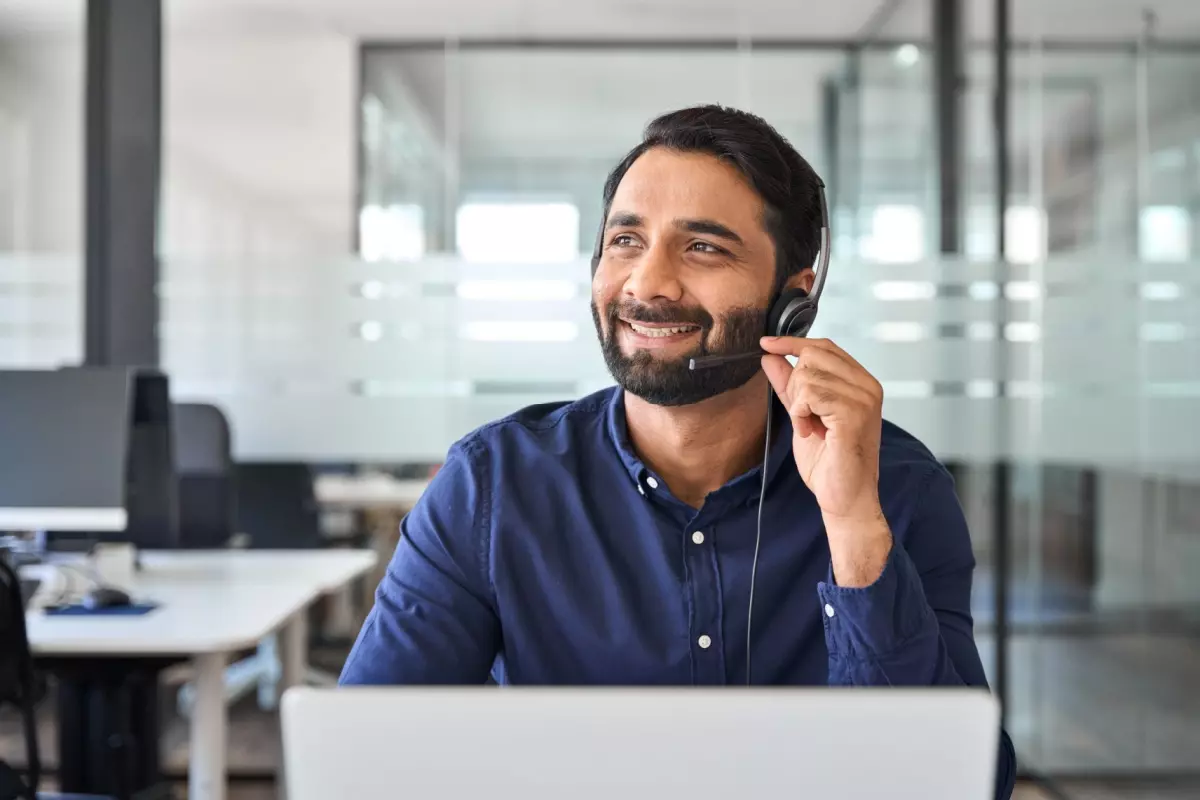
(41, 145)
(259, 152)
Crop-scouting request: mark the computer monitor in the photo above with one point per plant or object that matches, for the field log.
(63, 462)
(87, 455)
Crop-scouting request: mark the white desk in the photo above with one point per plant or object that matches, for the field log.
(63, 519)
(211, 603)
(363, 492)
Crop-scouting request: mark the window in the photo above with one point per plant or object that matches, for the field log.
(529, 233)
(1024, 228)
(391, 233)
(1164, 234)
(897, 235)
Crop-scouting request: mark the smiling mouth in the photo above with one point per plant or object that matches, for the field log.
(660, 331)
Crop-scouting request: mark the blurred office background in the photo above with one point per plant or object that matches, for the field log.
(374, 217)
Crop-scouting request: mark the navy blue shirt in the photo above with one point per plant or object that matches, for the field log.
(545, 552)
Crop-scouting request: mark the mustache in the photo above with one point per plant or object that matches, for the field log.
(660, 313)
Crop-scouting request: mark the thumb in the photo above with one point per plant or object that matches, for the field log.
(778, 372)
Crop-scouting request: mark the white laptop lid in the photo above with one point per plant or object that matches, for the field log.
(627, 744)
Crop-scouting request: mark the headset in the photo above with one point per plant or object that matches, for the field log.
(792, 313)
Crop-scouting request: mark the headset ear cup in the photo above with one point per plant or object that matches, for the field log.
(792, 307)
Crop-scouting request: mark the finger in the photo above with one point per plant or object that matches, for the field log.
(809, 348)
(832, 348)
(784, 345)
(823, 366)
(779, 372)
(810, 399)
(817, 358)
(855, 386)
(807, 426)
(832, 399)
(805, 421)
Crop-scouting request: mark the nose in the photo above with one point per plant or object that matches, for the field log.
(655, 276)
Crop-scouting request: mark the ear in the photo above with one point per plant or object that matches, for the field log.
(801, 280)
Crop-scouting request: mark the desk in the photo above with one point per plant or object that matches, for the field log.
(211, 605)
(378, 502)
(368, 492)
(63, 519)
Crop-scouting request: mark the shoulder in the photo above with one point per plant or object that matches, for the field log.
(547, 440)
(920, 500)
(540, 429)
(910, 475)
(900, 451)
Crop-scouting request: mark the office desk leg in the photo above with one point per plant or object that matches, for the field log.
(206, 771)
(293, 650)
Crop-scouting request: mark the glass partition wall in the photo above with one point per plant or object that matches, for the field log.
(479, 177)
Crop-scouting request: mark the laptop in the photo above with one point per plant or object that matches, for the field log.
(630, 744)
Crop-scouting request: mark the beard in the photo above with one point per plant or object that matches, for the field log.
(668, 381)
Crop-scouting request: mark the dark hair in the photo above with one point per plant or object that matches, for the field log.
(786, 183)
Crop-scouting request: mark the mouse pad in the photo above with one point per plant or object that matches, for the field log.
(135, 610)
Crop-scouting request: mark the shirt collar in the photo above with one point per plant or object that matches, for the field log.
(778, 458)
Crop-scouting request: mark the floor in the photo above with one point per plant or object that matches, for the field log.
(1120, 703)
(1098, 791)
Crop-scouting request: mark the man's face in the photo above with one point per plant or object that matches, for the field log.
(687, 270)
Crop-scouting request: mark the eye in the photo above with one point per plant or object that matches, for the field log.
(622, 240)
(707, 247)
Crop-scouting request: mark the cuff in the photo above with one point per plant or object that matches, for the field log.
(874, 621)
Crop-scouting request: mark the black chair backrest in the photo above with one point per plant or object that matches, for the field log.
(277, 507)
(17, 684)
(204, 463)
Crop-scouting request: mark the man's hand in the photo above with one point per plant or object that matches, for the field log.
(836, 408)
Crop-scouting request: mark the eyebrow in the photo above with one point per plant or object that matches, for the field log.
(624, 219)
(710, 227)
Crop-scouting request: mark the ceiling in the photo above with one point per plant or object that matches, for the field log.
(623, 19)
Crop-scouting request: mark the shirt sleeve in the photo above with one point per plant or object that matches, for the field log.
(434, 619)
(913, 626)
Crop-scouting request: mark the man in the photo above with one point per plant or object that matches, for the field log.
(613, 540)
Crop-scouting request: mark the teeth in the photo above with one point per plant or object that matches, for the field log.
(659, 332)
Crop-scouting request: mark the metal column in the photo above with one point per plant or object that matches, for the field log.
(948, 49)
(1001, 471)
(124, 132)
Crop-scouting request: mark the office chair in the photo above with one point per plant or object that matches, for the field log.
(277, 506)
(204, 464)
(276, 510)
(17, 684)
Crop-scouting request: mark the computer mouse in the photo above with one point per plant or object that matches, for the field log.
(105, 597)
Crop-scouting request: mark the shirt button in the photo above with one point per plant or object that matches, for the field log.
(641, 491)
(698, 537)
(828, 610)
(704, 642)
(652, 482)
